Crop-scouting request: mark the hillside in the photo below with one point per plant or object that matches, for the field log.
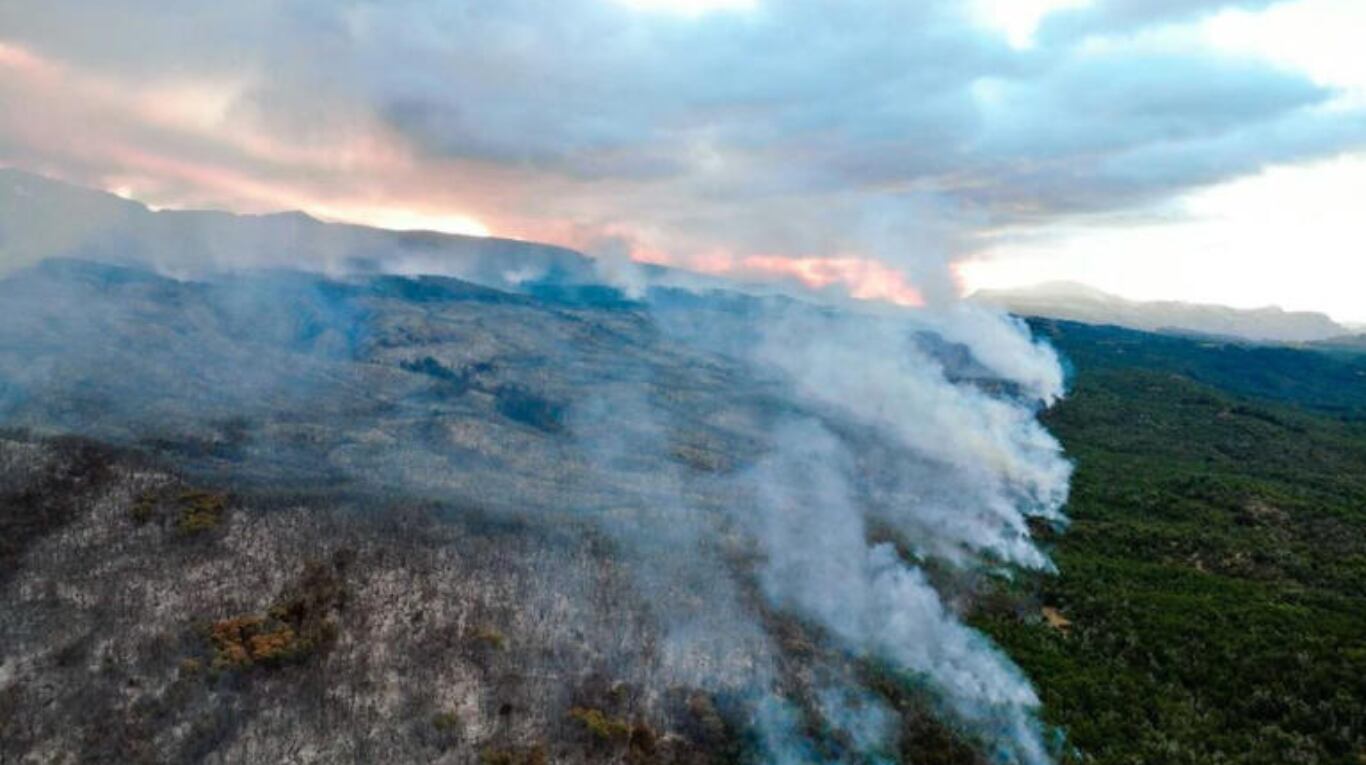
(42, 218)
(1330, 382)
(473, 525)
(610, 382)
(442, 517)
(1212, 579)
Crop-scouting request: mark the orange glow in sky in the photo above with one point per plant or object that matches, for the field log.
(404, 219)
(863, 278)
(138, 118)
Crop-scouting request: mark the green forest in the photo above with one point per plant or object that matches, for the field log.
(1210, 600)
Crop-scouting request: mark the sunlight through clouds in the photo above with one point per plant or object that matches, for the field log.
(403, 219)
(1289, 236)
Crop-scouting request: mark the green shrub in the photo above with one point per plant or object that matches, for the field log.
(297, 626)
(491, 637)
(248, 640)
(603, 727)
(144, 508)
(446, 722)
(535, 755)
(201, 511)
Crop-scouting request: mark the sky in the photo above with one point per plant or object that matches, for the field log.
(906, 151)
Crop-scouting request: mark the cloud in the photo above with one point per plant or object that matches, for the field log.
(866, 131)
(1120, 16)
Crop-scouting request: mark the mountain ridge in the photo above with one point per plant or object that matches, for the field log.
(1074, 301)
(42, 217)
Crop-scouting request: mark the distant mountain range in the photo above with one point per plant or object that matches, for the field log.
(42, 218)
(1078, 302)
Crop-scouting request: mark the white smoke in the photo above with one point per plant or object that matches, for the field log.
(820, 566)
(955, 391)
(988, 450)
(921, 423)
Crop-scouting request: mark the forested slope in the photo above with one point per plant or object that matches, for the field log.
(1209, 605)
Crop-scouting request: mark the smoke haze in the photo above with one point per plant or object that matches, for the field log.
(728, 444)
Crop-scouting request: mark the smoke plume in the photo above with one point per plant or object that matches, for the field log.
(751, 458)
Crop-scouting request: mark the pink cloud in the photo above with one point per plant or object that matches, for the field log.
(183, 143)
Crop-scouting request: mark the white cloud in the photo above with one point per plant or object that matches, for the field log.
(1019, 19)
(724, 131)
(1292, 236)
(1321, 38)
